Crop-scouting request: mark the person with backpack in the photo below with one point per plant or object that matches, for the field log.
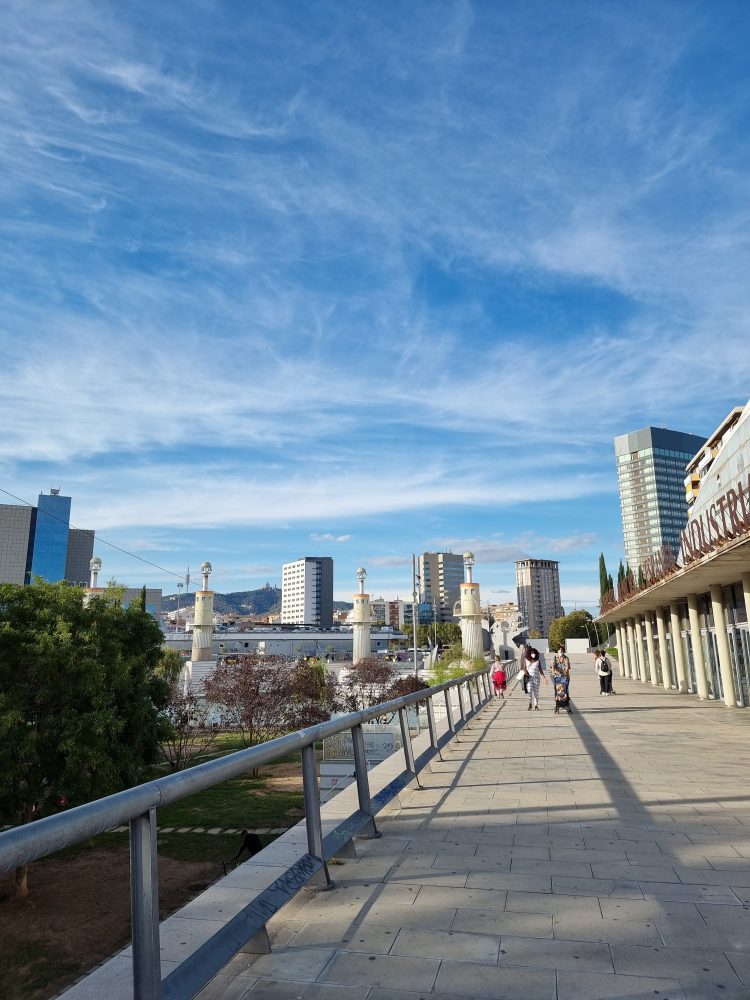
(603, 669)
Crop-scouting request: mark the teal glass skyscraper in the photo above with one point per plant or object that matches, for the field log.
(651, 481)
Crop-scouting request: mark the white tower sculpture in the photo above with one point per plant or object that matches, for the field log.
(201, 661)
(470, 612)
(362, 618)
(93, 589)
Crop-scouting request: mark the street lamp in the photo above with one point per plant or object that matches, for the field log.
(414, 611)
(434, 622)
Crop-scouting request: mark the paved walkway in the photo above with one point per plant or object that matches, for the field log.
(603, 854)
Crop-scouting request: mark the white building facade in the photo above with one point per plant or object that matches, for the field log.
(307, 592)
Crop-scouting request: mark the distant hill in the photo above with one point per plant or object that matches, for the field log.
(264, 601)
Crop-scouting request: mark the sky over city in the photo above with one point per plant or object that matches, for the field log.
(361, 280)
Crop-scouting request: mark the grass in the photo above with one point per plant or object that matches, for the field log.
(236, 804)
(28, 968)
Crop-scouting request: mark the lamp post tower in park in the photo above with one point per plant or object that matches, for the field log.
(362, 618)
(201, 661)
(470, 612)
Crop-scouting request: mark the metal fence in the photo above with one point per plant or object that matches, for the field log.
(137, 807)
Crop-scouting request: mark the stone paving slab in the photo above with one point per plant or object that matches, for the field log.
(601, 855)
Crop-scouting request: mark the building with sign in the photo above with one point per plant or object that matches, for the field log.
(651, 466)
(39, 542)
(686, 628)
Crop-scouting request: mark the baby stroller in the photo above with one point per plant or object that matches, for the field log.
(562, 696)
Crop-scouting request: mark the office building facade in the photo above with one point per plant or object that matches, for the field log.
(307, 592)
(651, 466)
(441, 575)
(39, 542)
(538, 593)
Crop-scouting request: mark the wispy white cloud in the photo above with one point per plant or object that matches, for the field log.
(241, 259)
(329, 537)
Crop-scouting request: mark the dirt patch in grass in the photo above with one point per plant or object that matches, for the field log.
(78, 915)
(282, 777)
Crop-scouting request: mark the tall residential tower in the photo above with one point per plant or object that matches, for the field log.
(651, 466)
(538, 589)
(441, 575)
(307, 592)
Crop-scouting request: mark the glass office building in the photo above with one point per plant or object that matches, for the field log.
(51, 537)
(651, 466)
(39, 542)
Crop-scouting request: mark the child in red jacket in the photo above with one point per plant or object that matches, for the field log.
(499, 677)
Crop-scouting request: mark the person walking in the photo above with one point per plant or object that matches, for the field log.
(499, 677)
(604, 671)
(533, 667)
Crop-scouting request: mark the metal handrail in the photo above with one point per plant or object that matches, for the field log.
(137, 806)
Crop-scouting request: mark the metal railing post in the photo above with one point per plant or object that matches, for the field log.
(313, 824)
(144, 907)
(461, 702)
(406, 739)
(431, 724)
(480, 700)
(363, 781)
(472, 706)
(448, 709)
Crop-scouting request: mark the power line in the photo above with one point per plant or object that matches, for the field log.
(102, 541)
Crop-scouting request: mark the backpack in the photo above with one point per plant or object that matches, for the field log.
(604, 669)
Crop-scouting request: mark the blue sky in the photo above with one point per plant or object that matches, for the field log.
(362, 280)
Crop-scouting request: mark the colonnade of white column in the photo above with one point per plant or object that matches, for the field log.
(641, 664)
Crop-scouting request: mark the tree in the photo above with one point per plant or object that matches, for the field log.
(447, 633)
(603, 576)
(170, 665)
(576, 625)
(80, 700)
(264, 697)
(405, 685)
(366, 683)
(188, 732)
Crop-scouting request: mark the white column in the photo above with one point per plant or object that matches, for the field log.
(621, 648)
(361, 639)
(634, 660)
(725, 656)
(201, 660)
(695, 642)
(666, 676)
(675, 628)
(649, 626)
(471, 613)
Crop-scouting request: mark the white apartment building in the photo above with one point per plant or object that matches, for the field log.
(538, 589)
(441, 575)
(390, 612)
(307, 592)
